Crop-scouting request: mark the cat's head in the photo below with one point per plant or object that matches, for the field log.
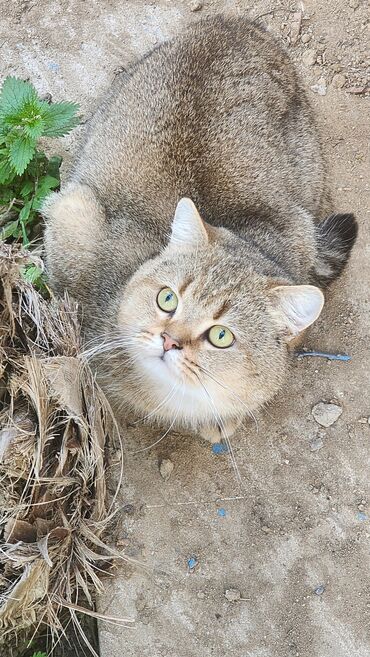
(205, 336)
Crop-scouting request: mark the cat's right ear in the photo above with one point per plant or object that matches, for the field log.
(188, 228)
(296, 307)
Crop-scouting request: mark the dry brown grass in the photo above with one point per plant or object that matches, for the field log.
(55, 423)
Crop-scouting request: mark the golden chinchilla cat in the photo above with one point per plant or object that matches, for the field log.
(193, 229)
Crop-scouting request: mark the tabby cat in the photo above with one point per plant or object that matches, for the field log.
(195, 228)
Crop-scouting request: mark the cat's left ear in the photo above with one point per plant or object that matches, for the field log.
(296, 307)
(188, 228)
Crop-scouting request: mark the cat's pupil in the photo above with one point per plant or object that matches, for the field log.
(169, 297)
(221, 335)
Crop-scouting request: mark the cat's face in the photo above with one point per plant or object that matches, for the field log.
(204, 336)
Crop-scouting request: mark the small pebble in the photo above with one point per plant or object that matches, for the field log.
(319, 590)
(266, 529)
(129, 509)
(195, 5)
(232, 595)
(201, 595)
(47, 98)
(192, 563)
(309, 57)
(320, 87)
(338, 81)
(326, 414)
(305, 38)
(221, 513)
(165, 469)
(53, 66)
(354, 4)
(362, 516)
(316, 444)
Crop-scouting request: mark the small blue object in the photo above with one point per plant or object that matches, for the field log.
(221, 513)
(53, 66)
(319, 590)
(219, 448)
(323, 354)
(192, 562)
(362, 516)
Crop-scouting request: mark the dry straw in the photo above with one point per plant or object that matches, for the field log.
(55, 423)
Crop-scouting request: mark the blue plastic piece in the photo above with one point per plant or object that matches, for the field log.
(219, 448)
(221, 513)
(192, 562)
(323, 354)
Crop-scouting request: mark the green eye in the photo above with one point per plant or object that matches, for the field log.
(167, 300)
(221, 337)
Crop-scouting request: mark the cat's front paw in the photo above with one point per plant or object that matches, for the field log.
(211, 434)
(214, 434)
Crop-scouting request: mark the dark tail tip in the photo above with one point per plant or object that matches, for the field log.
(336, 236)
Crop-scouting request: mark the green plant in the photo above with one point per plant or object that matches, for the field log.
(26, 174)
(39, 654)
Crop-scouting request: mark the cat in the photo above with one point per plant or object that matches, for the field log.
(195, 228)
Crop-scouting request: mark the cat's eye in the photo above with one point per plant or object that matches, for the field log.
(167, 300)
(221, 337)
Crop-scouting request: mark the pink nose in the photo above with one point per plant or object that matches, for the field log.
(169, 343)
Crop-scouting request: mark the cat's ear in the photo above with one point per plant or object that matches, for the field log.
(296, 306)
(188, 229)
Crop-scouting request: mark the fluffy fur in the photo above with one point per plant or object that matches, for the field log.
(217, 115)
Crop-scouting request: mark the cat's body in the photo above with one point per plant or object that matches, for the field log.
(219, 116)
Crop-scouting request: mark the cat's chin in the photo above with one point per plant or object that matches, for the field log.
(162, 369)
(179, 400)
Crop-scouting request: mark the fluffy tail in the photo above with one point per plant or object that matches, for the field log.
(336, 236)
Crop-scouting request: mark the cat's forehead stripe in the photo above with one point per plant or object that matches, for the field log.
(185, 285)
(224, 308)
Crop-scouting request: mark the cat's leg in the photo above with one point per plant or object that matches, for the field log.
(75, 227)
(214, 433)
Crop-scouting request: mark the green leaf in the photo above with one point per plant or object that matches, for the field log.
(32, 273)
(46, 184)
(25, 212)
(33, 128)
(27, 188)
(10, 230)
(21, 152)
(6, 195)
(54, 166)
(59, 118)
(7, 173)
(14, 94)
(39, 654)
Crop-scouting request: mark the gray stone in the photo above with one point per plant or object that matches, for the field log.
(232, 595)
(320, 87)
(326, 414)
(309, 57)
(196, 5)
(338, 81)
(165, 469)
(316, 444)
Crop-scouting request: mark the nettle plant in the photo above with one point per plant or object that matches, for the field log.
(27, 175)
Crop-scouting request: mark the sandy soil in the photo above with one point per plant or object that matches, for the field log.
(293, 538)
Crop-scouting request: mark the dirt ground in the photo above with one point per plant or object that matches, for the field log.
(292, 541)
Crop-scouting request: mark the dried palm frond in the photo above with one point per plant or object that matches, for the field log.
(54, 426)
